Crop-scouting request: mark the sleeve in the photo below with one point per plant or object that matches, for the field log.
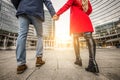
(65, 7)
(89, 8)
(50, 7)
(15, 3)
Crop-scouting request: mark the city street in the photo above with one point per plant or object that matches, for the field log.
(60, 65)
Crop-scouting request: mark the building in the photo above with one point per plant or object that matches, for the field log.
(105, 18)
(7, 19)
(106, 22)
(105, 11)
(48, 25)
(48, 31)
(8, 24)
(108, 34)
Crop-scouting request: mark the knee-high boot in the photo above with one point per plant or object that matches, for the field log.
(92, 66)
(77, 50)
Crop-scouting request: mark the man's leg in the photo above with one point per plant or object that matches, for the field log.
(39, 49)
(21, 43)
(92, 67)
(77, 49)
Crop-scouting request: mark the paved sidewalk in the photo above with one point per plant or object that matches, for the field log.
(60, 65)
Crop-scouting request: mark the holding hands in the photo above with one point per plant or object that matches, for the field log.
(55, 17)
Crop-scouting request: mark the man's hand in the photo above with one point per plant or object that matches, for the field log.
(55, 17)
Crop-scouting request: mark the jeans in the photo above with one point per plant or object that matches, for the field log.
(24, 21)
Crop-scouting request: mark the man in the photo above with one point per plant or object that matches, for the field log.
(30, 12)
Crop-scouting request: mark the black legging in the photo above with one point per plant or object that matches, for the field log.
(90, 42)
(91, 45)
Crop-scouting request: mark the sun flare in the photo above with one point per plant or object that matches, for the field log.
(62, 31)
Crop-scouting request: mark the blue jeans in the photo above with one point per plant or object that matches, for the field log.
(24, 21)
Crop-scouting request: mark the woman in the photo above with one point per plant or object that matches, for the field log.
(80, 24)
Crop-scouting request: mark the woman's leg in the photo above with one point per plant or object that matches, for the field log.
(77, 49)
(92, 67)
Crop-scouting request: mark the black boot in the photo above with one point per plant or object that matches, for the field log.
(92, 67)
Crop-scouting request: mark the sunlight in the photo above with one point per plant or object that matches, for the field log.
(62, 31)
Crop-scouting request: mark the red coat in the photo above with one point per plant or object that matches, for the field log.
(79, 20)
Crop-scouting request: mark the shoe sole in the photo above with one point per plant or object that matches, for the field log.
(78, 64)
(39, 65)
(20, 72)
(95, 71)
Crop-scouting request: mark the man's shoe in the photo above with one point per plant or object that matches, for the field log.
(21, 69)
(78, 62)
(39, 62)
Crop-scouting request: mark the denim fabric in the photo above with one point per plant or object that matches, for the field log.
(33, 7)
(24, 21)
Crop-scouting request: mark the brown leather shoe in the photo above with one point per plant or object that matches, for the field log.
(39, 62)
(21, 69)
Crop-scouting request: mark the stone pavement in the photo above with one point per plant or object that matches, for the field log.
(60, 65)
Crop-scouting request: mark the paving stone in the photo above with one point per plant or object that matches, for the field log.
(60, 65)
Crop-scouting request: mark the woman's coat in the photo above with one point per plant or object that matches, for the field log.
(79, 20)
